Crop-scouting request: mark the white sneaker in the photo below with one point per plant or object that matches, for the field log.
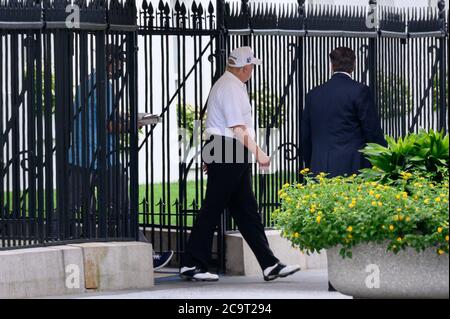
(279, 270)
(197, 274)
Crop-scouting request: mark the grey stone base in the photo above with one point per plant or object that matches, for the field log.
(74, 269)
(375, 273)
(240, 259)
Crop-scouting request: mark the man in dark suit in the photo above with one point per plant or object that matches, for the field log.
(339, 120)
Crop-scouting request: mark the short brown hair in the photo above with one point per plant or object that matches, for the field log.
(343, 60)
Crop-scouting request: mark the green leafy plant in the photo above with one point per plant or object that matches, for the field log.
(346, 211)
(394, 104)
(50, 87)
(424, 153)
(268, 105)
(187, 117)
(436, 92)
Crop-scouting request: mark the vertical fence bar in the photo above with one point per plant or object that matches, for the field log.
(443, 71)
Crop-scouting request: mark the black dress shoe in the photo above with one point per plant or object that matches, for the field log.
(197, 274)
(331, 288)
(280, 270)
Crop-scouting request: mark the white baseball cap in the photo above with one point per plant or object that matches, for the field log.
(241, 57)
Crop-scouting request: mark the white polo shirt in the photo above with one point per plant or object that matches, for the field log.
(228, 106)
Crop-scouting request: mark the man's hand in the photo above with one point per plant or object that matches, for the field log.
(263, 160)
(244, 137)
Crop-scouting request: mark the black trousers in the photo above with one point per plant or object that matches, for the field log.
(228, 186)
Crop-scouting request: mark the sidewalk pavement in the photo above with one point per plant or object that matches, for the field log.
(308, 284)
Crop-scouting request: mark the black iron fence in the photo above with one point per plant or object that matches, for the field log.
(144, 177)
(67, 129)
(401, 55)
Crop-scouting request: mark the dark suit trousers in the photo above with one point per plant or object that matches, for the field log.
(229, 186)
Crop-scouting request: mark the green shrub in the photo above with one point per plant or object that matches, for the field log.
(270, 113)
(325, 213)
(187, 115)
(425, 153)
(394, 103)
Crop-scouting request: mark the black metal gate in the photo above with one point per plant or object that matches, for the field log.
(401, 55)
(170, 54)
(68, 173)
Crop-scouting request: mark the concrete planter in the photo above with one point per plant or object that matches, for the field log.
(373, 272)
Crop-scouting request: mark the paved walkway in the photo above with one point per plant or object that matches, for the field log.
(309, 284)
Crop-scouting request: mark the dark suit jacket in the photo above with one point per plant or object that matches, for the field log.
(339, 120)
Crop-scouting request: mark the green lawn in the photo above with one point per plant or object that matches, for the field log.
(169, 193)
(160, 191)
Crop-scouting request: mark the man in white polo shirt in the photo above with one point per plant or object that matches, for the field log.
(227, 157)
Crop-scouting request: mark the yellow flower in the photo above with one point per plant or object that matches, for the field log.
(438, 199)
(408, 219)
(296, 235)
(286, 185)
(299, 186)
(391, 227)
(406, 175)
(312, 210)
(398, 196)
(318, 219)
(440, 229)
(400, 218)
(304, 171)
(350, 229)
(350, 236)
(374, 203)
(399, 239)
(351, 205)
(396, 218)
(399, 209)
(377, 196)
(441, 252)
(426, 201)
(446, 238)
(380, 204)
